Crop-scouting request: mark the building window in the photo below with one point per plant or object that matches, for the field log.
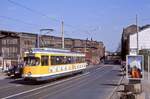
(9, 41)
(4, 42)
(10, 52)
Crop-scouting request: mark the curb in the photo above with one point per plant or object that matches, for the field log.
(114, 90)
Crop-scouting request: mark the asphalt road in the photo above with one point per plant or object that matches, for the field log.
(97, 82)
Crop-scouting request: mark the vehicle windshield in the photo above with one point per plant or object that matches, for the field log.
(31, 61)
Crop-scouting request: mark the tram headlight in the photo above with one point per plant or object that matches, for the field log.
(29, 73)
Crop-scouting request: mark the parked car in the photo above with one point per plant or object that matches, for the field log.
(15, 71)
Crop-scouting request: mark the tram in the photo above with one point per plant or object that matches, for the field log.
(47, 63)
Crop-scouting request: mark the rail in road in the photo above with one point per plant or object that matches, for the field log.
(96, 83)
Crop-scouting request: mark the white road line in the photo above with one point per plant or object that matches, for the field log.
(79, 85)
(51, 92)
(18, 85)
(100, 67)
(69, 86)
(86, 73)
(49, 85)
(24, 92)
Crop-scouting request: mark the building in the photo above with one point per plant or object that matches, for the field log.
(14, 44)
(125, 40)
(94, 50)
(143, 45)
(129, 39)
(143, 40)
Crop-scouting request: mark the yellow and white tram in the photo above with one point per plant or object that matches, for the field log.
(47, 63)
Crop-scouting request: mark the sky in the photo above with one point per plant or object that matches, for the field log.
(101, 20)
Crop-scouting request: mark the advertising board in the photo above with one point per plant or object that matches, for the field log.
(134, 67)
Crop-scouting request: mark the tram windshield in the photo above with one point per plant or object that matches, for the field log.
(32, 61)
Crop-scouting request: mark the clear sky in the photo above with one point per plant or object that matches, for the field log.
(103, 20)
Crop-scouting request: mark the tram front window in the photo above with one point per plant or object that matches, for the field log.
(31, 61)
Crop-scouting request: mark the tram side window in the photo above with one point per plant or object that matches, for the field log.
(73, 59)
(55, 60)
(44, 60)
(69, 60)
(77, 60)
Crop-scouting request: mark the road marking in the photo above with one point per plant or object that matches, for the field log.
(79, 85)
(24, 92)
(51, 92)
(48, 85)
(86, 73)
(18, 85)
(100, 68)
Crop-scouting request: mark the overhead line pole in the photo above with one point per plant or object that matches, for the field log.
(137, 30)
(38, 40)
(62, 30)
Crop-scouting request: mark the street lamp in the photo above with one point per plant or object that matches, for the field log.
(38, 38)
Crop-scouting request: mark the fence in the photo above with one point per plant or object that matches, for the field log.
(146, 54)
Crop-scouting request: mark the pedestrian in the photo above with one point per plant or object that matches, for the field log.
(7, 66)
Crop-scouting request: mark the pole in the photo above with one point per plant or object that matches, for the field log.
(137, 29)
(62, 30)
(38, 41)
(148, 67)
(85, 48)
(18, 58)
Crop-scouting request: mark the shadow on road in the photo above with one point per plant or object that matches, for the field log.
(12, 77)
(24, 82)
(33, 82)
(110, 84)
(121, 74)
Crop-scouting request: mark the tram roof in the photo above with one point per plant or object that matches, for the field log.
(52, 50)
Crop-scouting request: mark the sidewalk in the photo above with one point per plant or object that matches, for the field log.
(145, 85)
(2, 75)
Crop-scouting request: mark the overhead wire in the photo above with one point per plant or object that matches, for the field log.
(31, 10)
(20, 21)
(42, 14)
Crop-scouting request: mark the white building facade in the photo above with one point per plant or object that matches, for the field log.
(143, 40)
